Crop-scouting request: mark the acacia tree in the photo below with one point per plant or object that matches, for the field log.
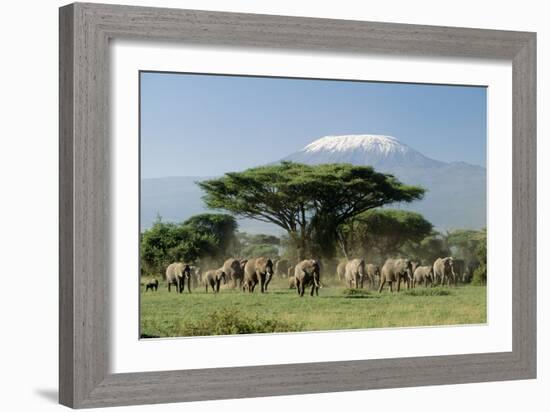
(428, 249)
(384, 231)
(306, 200)
(250, 245)
(464, 242)
(221, 227)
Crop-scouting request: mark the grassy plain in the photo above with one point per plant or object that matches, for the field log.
(231, 311)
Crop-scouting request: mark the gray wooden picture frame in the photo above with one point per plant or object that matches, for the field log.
(85, 32)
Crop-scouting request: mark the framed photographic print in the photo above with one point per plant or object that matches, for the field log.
(256, 205)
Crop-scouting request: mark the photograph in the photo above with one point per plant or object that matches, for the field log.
(285, 205)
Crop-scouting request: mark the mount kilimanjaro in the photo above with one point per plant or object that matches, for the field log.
(455, 197)
(380, 152)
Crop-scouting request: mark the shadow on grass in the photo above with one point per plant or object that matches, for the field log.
(354, 294)
(362, 297)
(427, 292)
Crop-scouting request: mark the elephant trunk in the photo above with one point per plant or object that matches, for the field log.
(316, 281)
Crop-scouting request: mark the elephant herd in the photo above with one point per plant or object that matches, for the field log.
(247, 274)
(444, 270)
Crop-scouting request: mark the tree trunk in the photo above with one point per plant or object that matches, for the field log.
(342, 243)
(302, 246)
(303, 235)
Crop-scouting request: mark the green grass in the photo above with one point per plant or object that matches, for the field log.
(231, 311)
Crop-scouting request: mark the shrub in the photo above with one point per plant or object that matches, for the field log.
(480, 275)
(427, 292)
(230, 321)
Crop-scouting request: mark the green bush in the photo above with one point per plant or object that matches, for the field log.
(230, 321)
(427, 292)
(480, 276)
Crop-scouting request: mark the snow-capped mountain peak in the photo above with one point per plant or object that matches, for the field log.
(361, 149)
(367, 142)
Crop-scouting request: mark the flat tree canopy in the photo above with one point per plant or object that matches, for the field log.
(304, 199)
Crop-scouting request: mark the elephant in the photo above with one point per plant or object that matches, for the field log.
(341, 270)
(459, 267)
(177, 274)
(291, 281)
(395, 270)
(281, 267)
(423, 274)
(305, 273)
(213, 279)
(372, 271)
(257, 270)
(414, 265)
(444, 271)
(355, 273)
(290, 272)
(195, 276)
(234, 271)
(152, 285)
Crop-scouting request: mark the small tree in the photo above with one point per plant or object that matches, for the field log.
(463, 243)
(383, 231)
(221, 227)
(165, 243)
(428, 249)
(206, 235)
(261, 249)
(250, 245)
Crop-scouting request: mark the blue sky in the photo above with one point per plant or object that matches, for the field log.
(204, 125)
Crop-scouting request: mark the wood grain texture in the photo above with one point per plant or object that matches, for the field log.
(85, 31)
(66, 229)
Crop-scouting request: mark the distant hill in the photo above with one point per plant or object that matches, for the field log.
(456, 196)
(176, 199)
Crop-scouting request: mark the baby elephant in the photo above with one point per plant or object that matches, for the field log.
(152, 285)
(373, 273)
(290, 272)
(292, 282)
(423, 274)
(213, 279)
